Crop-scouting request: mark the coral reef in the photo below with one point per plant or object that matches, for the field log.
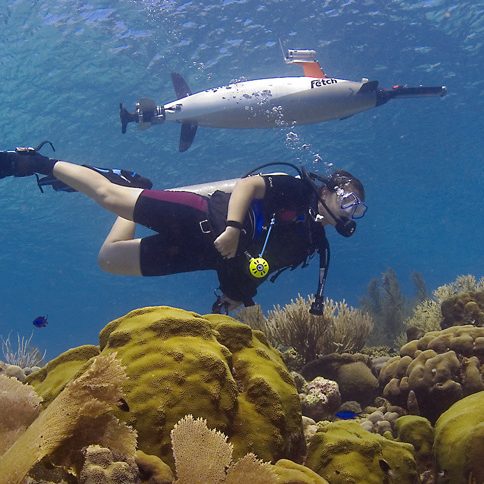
(388, 307)
(440, 368)
(19, 407)
(382, 421)
(465, 308)
(179, 363)
(89, 396)
(289, 472)
(459, 442)
(102, 467)
(156, 367)
(427, 315)
(25, 355)
(191, 437)
(340, 329)
(152, 469)
(320, 399)
(419, 432)
(343, 452)
(50, 380)
(352, 372)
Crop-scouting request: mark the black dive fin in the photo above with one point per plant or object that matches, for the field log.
(187, 135)
(370, 86)
(180, 86)
(124, 178)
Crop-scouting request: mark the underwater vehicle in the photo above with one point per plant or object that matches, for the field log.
(269, 103)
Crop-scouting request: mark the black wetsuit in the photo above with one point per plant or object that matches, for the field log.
(187, 224)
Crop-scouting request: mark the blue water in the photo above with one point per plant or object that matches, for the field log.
(66, 65)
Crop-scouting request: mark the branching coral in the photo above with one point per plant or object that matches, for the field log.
(340, 329)
(25, 355)
(203, 455)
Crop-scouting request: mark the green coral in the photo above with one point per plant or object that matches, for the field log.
(459, 442)
(342, 452)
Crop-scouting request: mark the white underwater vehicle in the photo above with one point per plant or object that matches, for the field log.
(268, 103)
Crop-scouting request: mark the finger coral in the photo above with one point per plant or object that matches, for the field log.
(439, 368)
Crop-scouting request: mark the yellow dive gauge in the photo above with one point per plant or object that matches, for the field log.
(258, 267)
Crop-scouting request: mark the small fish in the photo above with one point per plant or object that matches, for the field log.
(346, 415)
(40, 321)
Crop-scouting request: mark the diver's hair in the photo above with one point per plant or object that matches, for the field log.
(344, 179)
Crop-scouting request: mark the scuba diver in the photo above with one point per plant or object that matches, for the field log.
(267, 223)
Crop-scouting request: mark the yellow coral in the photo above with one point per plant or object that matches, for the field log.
(90, 395)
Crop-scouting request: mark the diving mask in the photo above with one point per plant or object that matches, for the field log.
(351, 204)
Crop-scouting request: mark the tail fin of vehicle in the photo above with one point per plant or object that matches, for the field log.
(187, 135)
(179, 84)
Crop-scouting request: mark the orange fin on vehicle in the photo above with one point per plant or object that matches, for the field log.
(313, 69)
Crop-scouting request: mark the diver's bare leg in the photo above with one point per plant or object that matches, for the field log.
(120, 252)
(115, 198)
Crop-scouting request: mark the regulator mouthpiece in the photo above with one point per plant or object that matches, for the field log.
(345, 227)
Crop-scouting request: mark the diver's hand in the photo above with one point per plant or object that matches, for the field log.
(227, 242)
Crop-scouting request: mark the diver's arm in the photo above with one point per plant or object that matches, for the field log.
(244, 192)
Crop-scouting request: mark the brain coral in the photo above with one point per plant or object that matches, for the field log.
(440, 368)
(180, 363)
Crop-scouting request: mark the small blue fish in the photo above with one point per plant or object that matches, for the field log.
(346, 415)
(40, 322)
